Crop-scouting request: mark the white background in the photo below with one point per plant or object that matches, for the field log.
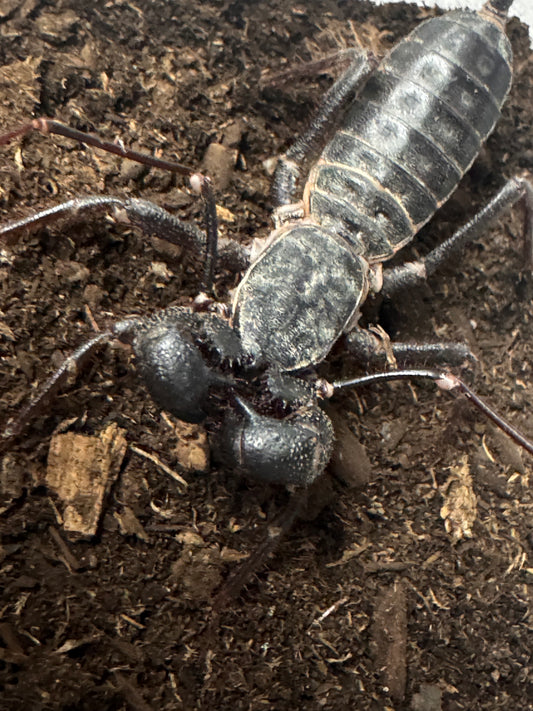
(521, 8)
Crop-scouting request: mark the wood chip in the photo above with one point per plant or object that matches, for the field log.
(389, 638)
(80, 471)
(130, 525)
(460, 508)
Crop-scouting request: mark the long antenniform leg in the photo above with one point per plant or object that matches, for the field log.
(148, 216)
(282, 525)
(68, 370)
(445, 381)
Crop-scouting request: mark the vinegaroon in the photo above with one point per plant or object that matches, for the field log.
(402, 134)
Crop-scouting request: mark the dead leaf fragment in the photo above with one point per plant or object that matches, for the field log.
(192, 448)
(225, 215)
(198, 570)
(81, 470)
(130, 525)
(429, 698)
(55, 27)
(19, 86)
(350, 462)
(219, 163)
(460, 508)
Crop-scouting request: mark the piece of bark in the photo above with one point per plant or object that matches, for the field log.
(81, 470)
(389, 639)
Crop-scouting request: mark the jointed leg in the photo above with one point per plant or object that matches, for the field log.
(336, 62)
(372, 350)
(279, 528)
(46, 125)
(151, 219)
(413, 273)
(314, 138)
(68, 369)
(445, 381)
(94, 203)
(145, 214)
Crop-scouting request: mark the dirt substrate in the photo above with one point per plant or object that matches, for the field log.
(370, 602)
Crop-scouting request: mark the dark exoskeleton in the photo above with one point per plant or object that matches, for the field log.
(405, 131)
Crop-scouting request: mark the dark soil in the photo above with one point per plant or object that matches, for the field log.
(369, 604)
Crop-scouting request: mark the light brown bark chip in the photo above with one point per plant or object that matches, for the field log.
(81, 471)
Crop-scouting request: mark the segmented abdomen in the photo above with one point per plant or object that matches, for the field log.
(412, 133)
